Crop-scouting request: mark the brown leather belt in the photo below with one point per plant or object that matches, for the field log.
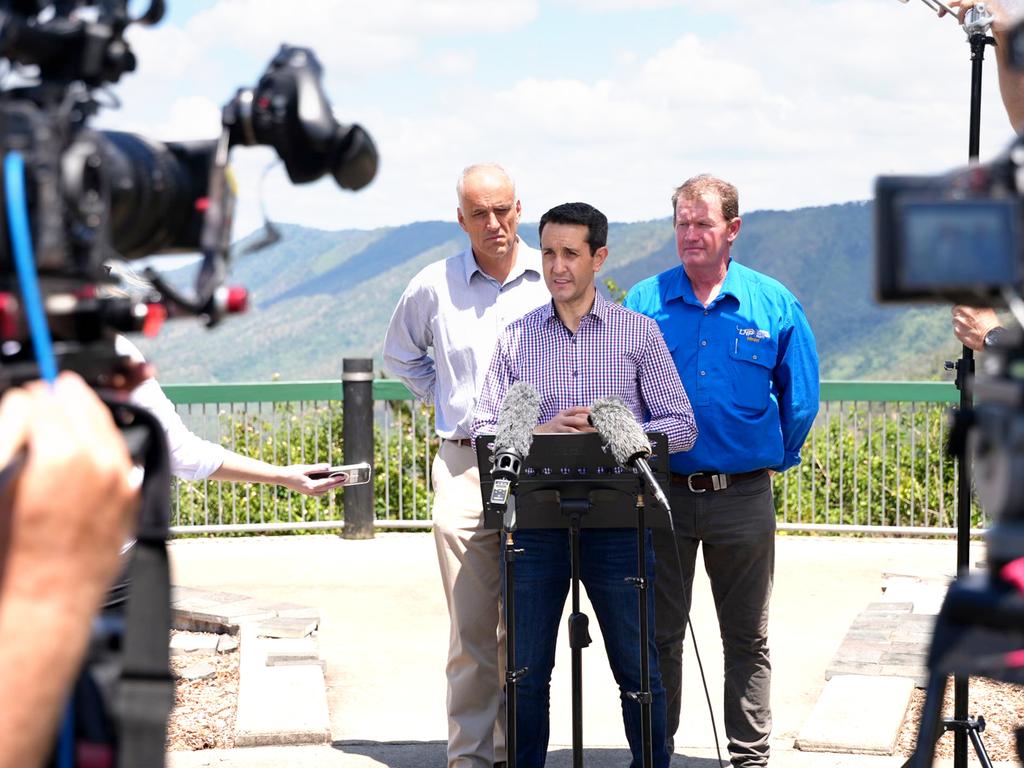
(699, 482)
(465, 442)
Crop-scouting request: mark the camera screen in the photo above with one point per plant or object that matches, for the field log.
(956, 244)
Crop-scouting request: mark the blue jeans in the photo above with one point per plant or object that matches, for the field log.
(542, 575)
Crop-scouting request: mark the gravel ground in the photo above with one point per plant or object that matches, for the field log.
(1002, 706)
(204, 710)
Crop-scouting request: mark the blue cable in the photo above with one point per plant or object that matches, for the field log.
(24, 262)
(66, 743)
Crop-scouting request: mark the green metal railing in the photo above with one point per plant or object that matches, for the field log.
(874, 461)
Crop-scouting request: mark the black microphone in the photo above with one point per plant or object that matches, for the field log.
(626, 440)
(514, 436)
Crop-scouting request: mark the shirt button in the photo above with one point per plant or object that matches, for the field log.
(703, 342)
(705, 313)
(753, 357)
(703, 373)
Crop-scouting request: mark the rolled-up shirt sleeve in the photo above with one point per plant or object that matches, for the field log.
(407, 340)
(797, 386)
(192, 458)
(664, 397)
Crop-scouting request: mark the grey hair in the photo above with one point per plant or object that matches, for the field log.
(460, 183)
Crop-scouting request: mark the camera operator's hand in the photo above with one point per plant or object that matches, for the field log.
(1005, 13)
(971, 325)
(63, 519)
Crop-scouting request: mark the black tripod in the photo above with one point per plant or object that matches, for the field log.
(962, 726)
(572, 486)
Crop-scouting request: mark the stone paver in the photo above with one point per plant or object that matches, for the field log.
(278, 704)
(861, 714)
(890, 636)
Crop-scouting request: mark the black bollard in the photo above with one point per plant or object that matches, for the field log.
(357, 434)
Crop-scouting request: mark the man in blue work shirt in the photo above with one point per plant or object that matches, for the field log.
(747, 359)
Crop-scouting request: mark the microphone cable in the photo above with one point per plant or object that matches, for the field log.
(627, 442)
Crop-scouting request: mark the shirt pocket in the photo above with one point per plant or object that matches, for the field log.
(751, 364)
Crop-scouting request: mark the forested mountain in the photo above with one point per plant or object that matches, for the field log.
(319, 296)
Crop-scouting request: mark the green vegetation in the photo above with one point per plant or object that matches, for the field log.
(882, 465)
(290, 434)
(864, 464)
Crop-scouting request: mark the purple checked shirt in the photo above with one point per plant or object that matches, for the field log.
(615, 351)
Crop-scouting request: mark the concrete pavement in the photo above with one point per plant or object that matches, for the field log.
(384, 628)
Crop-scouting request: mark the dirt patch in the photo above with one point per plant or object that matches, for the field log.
(1002, 706)
(204, 710)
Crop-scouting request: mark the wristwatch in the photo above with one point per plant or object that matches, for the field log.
(993, 336)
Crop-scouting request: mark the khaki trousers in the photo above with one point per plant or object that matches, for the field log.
(470, 562)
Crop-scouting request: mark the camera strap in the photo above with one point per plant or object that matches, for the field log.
(145, 691)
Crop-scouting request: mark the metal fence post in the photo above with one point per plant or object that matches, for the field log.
(357, 435)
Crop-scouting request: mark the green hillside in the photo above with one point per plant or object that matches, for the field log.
(319, 296)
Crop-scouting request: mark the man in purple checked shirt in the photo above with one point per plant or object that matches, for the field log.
(573, 350)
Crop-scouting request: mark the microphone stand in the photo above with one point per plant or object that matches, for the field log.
(963, 726)
(512, 674)
(976, 25)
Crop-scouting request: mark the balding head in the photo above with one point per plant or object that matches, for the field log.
(491, 170)
(488, 211)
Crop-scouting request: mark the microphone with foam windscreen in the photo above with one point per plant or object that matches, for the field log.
(514, 436)
(626, 440)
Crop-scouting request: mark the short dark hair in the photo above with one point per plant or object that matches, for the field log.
(583, 214)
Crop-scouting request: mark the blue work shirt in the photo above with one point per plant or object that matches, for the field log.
(747, 361)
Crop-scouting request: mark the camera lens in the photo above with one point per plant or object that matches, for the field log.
(156, 191)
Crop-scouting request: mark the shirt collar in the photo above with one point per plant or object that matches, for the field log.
(527, 260)
(679, 287)
(600, 310)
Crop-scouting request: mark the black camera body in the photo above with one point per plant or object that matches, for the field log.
(951, 239)
(72, 200)
(96, 196)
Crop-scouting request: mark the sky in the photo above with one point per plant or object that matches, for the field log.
(613, 102)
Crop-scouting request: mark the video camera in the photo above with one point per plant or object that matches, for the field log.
(92, 196)
(74, 199)
(959, 238)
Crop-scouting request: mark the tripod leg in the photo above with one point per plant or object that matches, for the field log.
(979, 746)
(928, 730)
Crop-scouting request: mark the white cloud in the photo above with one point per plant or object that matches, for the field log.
(452, 63)
(349, 38)
(799, 107)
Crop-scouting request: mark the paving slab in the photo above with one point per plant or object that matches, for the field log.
(284, 627)
(278, 704)
(196, 644)
(860, 714)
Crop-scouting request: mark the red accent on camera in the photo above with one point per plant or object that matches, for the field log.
(202, 204)
(237, 299)
(155, 316)
(1013, 573)
(8, 316)
(91, 755)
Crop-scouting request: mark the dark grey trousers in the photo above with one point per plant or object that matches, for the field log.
(736, 528)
